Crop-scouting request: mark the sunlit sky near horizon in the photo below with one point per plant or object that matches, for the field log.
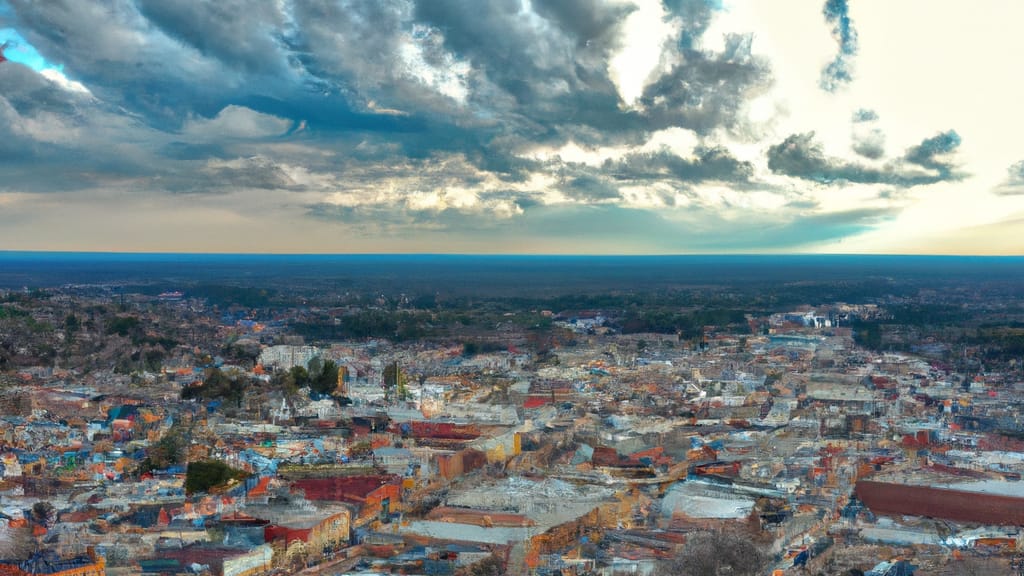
(512, 126)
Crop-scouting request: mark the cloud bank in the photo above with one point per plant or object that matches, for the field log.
(448, 125)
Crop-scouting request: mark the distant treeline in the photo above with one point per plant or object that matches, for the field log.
(441, 296)
(991, 333)
(1003, 341)
(393, 325)
(686, 324)
(403, 325)
(222, 295)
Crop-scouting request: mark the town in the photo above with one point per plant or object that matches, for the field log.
(511, 287)
(237, 430)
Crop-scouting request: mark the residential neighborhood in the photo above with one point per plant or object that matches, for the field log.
(599, 451)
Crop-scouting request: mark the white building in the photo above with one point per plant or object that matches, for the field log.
(284, 356)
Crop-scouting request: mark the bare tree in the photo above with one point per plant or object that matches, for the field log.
(716, 554)
(44, 514)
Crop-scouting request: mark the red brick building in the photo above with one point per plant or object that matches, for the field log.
(371, 495)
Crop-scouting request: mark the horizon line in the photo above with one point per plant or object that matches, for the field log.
(7, 252)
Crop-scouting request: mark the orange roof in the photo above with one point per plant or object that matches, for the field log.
(536, 401)
(261, 487)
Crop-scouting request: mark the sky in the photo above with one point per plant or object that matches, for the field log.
(512, 126)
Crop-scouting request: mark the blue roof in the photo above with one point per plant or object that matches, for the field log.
(160, 565)
(48, 562)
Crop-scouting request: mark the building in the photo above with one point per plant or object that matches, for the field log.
(372, 495)
(222, 560)
(284, 356)
(300, 530)
(948, 504)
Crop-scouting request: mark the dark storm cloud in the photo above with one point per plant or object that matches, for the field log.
(329, 113)
(801, 156)
(237, 32)
(502, 161)
(695, 15)
(30, 93)
(355, 48)
(254, 172)
(533, 80)
(168, 62)
(57, 140)
(528, 60)
(705, 91)
(114, 50)
(592, 24)
(925, 154)
(551, 76)
(60, 140)
(589, 187)
(376, 67)
(838, 72)
(1014, 183)
(380, 100)
(546, 76)
(708, 163)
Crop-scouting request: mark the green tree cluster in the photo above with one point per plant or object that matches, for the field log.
(166, 452)
(686, 324)
(321, 377)
(207, 474)
(127, 326)
(218, 385)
